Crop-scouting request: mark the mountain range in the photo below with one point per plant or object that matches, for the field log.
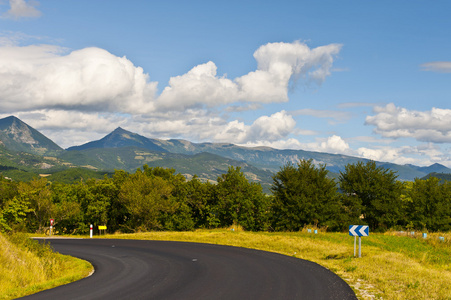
(24, 148)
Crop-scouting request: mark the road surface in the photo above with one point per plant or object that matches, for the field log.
(131, 269)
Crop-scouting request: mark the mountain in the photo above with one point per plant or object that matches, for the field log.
(120, 138)
(265, 158)
(435, 168)
(442, 176)
(206, 166)
(122, 149)
(16, 135)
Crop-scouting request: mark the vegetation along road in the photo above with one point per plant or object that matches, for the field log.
(132, 269)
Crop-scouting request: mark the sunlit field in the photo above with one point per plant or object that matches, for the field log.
(27, 267)
(392, 266)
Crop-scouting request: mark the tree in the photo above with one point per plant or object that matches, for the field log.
(146, 198)
(38, 194)
(430, 205)
(373, 192)
(304, 195)
(198, 196)
(237, 201)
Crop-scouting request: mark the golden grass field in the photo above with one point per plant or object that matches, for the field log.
(393, 265)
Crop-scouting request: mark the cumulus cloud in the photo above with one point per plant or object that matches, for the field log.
(45, 76)
(335, 144)
(437, 66)
(22, 9)
(278, 65)
(425, 154)
(40, 77)
(266, 128)
(426, 126)
(199, 86)
(53, 88)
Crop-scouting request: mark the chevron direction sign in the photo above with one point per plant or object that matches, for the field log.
(359, 230)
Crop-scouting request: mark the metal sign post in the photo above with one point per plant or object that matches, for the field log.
(358, 231)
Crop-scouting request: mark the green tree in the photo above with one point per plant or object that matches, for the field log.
(198, 196)
(67, 211)
(146, 198)
(237, 201)
(374, 193)
(304, 195)
(430, 205)
(37, 194)
(8, 211)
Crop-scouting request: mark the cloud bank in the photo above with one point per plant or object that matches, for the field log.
(424, 126)
(52, 85)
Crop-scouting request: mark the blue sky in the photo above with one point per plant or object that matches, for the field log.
(362, 78)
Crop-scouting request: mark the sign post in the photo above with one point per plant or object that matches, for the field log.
(358, 231)
(102, 227)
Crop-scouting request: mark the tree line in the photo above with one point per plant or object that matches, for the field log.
(159, 199)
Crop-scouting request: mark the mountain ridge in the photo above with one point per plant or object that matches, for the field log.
(122, 149)
(120, 138)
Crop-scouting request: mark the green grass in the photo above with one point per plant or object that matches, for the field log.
(27, 267)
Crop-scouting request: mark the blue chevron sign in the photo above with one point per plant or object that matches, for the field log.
(359, 230)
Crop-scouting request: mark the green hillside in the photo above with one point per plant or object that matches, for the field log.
(206, 166)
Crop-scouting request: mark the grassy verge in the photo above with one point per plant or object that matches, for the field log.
(391, 267)
(27, 267)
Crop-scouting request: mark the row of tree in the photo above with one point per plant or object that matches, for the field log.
(159, 199)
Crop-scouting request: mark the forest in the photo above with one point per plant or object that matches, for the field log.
(159, 199)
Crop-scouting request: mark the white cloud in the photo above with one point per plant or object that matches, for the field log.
(425, 154)
(266, 128)
(278, 65)
(197, 87)
(426, 126)
(22, 9)
(335, 144)
(332, 144)
(340, 116)
(91, 79)
(437, 66)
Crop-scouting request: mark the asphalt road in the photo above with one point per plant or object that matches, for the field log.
(130, 269)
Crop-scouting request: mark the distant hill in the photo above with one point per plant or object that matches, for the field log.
(206, 166)
(73, 175)
(24, 149)
(442, 176)
(272, 159)
(16, 135)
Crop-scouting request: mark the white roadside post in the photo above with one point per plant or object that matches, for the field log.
(51, 226)
(358, 231)
(90, 231)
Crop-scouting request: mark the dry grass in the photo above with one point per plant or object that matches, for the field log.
(26, 268)
(391, 267)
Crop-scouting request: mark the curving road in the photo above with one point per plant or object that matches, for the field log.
(131, 269)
